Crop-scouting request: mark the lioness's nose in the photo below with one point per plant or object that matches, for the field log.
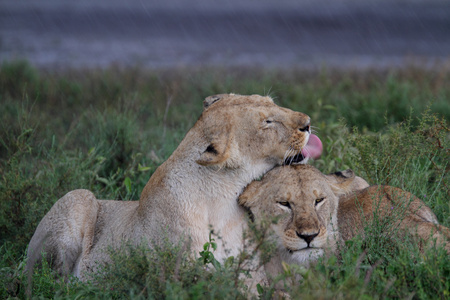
(307, 237)
(305, 128)
(303, 121)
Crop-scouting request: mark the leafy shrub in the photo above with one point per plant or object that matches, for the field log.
(165, 271)
(412, 158)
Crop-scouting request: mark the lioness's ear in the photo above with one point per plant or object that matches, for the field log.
(216, 153)
(341, 182)
(212, 99)
(220, 147)
(250, 195)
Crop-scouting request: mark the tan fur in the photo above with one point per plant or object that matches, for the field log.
(348, 203)
(235, 140)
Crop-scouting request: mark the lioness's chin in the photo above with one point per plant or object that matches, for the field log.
(302, 162)
(298, 159)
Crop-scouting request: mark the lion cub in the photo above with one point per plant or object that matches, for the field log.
(315, 211)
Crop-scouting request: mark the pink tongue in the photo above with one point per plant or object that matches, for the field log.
(313, 148)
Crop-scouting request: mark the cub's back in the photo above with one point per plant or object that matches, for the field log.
(360, 207)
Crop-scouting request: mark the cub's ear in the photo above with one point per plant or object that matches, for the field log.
(341, 182)
(251, 194)
(347, 180)
(342, 175)
(211, 100)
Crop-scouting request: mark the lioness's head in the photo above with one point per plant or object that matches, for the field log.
(305, 202)
(251, 129)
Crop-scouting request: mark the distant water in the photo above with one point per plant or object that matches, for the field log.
(283, 33)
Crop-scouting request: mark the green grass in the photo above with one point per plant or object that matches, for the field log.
(108, 130)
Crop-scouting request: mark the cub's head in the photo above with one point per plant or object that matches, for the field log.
(305, 202)
(252, 130)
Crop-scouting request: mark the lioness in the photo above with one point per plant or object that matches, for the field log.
(235, 140)
(315, 211)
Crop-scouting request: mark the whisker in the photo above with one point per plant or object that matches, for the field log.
(287, 153)
(268, 92)
(291, 154)
(292, 157)
(290, 160)
(308, 152)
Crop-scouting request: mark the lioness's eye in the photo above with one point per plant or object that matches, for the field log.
(269, 121)
(285, 203)
(319, 200)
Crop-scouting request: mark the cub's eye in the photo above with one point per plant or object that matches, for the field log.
(285, 203)
(269, 121)
(319, 200)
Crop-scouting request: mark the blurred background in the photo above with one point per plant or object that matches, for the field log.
(250, 33)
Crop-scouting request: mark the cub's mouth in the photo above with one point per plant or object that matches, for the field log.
(312, 149)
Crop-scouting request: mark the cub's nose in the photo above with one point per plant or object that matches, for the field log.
(307, 237)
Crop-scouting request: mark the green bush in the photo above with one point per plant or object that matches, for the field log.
(412, 158)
